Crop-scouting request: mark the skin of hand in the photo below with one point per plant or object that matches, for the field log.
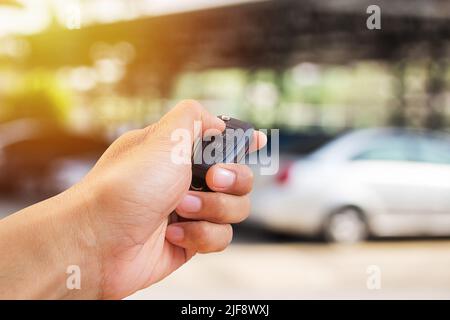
(114, 224)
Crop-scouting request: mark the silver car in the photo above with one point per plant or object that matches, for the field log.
(378, 182)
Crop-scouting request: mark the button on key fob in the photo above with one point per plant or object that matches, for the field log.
(231, 146)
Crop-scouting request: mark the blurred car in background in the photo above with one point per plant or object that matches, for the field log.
(372, 182)
(39, 159)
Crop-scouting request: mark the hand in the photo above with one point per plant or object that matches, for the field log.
(133, 189)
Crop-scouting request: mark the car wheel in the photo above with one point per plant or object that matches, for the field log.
(346, 226)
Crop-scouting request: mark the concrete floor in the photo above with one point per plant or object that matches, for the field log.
(261, 266)
(407, 269)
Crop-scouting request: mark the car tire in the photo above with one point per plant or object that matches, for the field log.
(346, 225)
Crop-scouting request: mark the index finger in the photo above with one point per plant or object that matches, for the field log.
(258, 142)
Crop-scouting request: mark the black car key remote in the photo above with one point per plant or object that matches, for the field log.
(229, 147)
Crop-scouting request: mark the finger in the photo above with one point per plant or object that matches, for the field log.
(214, 207)
(230, 178)
(258, 142)
(200, 236)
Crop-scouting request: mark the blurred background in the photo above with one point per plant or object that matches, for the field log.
(360, 207)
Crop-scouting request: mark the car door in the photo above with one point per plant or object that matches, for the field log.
(433, 157)
(384, 167)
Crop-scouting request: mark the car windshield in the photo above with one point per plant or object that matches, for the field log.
(434, 150)
(387, 145)
(346, 146)
(394, 147)
(406, 146)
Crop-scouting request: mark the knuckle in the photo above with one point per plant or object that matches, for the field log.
(205, 243)
(150, 128)
(245, 179)
(153, 130)
(190, 105)
(247, 175)
(221, 205)
(128, 139)
(228, 232)
(127, 136)
(245, 207)
(202, 237)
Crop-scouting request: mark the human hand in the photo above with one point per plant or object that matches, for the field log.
(132, 190)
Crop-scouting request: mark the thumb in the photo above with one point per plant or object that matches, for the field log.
(189, 115)
(177, 131)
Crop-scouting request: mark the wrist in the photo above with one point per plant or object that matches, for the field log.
(79, 248)
(44, 242)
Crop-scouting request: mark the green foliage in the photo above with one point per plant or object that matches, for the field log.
(211, 84)
(38, 95)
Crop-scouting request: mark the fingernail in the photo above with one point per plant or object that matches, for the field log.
(223, 178)
(190, 203)
(175, 233)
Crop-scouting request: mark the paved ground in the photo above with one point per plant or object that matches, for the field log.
(408, 269)
(263, 266)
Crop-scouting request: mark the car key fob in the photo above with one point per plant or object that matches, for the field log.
(231, 146)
